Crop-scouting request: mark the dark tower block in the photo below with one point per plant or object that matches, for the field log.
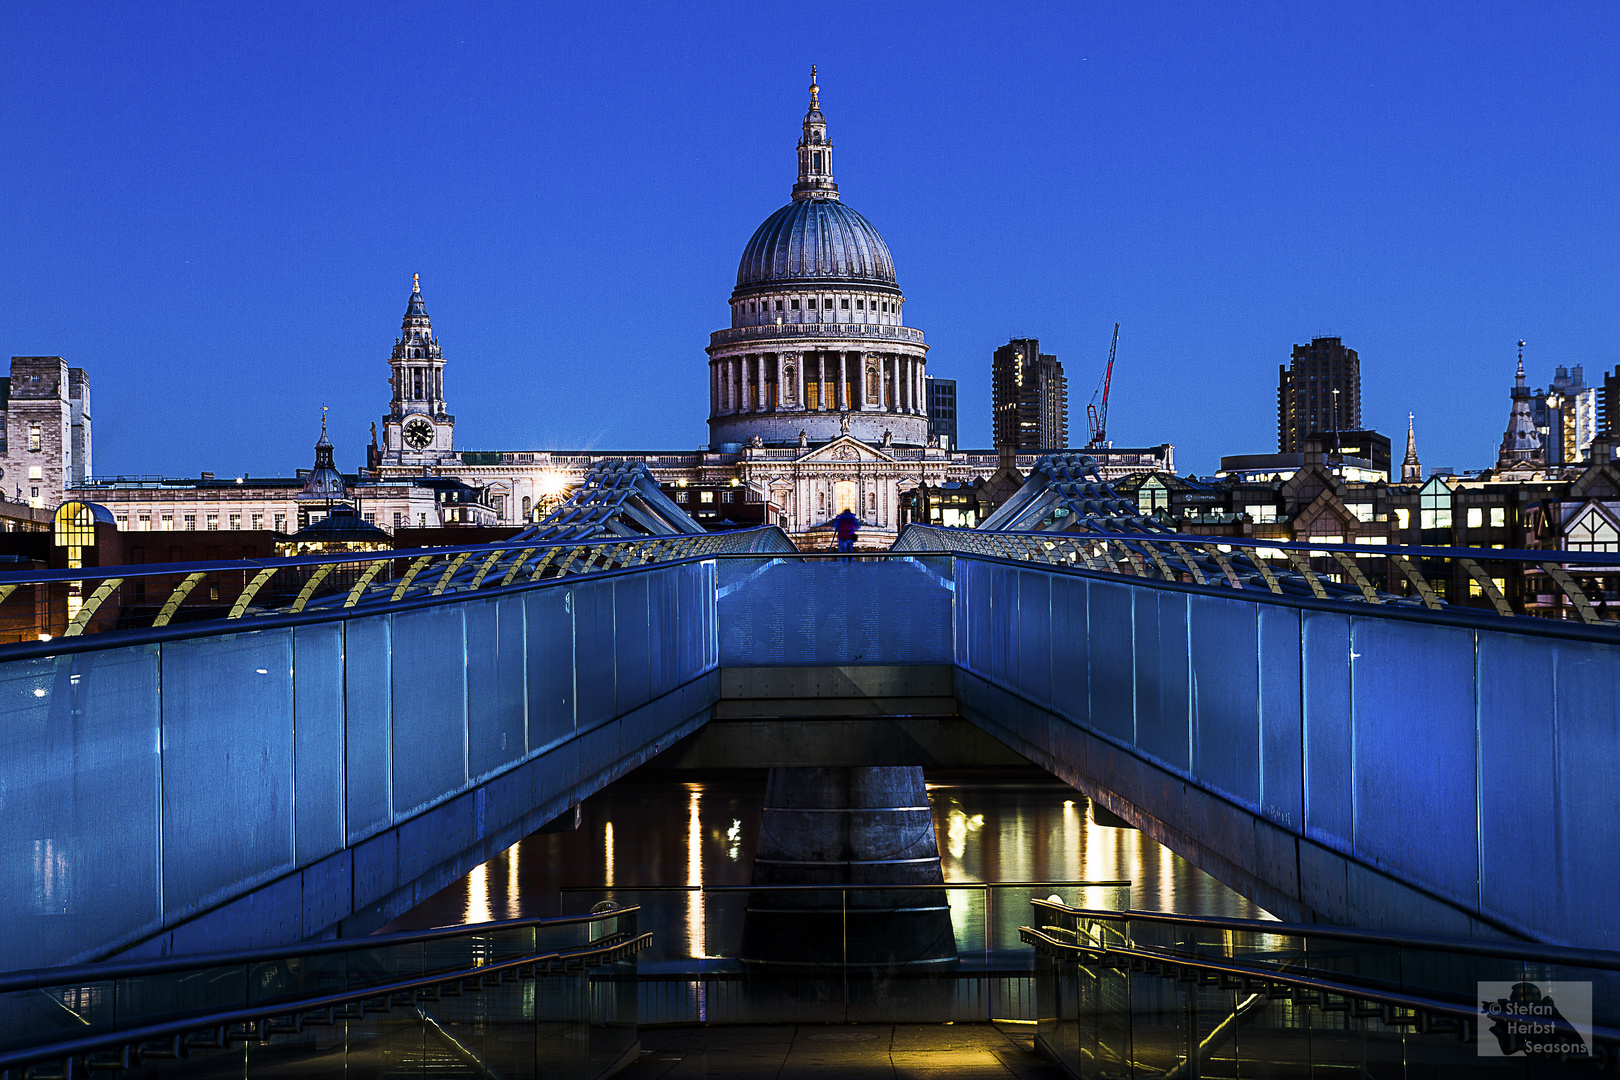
(848, 826)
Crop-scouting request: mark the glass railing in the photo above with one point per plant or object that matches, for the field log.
(520, 998)
(880, 953)
(1125, 994)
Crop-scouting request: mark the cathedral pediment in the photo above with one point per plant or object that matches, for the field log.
(846, 449)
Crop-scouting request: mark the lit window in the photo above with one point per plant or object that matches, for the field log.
(680, 496)
(258, 521)
(236, 522)
(213, 523)
(33, 437)
(706, 496)
(1498, 517)
(1363, 511)
(123, 522)
(1403, 519)
(281, 523)
(191, 523)
(1592, 532)
(146, 522)
(168, 522)
(1476, 517)
(1434, 505)
(1261, 512)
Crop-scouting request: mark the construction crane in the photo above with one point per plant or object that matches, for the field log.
(1097, 418)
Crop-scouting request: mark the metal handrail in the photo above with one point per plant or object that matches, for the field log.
(1506, 950)
(38, 978)
(1463, 1018)
(258, 1018)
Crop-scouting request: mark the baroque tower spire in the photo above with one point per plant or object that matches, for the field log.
(418, 423)
(1521, 443)
(815, 152)
(1411, 468)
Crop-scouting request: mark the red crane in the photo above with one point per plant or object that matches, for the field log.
(1097, 419)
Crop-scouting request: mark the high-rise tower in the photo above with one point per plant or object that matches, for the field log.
(1319, 393)
(1029, 398)
(418, 427)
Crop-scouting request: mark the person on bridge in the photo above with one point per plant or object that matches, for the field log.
(845, 526)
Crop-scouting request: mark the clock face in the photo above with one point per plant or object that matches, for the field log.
(418, 434)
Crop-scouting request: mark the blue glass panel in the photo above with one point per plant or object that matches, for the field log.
(1226, 697)
(1518, 768)
(593, 651)
(1071, 692)
(549, 613)
(631, 654)
(1034, 653)
(1326, 673)
(663, 629)
(318, 740)
(369, 725)
(1163, 711)
(1113, 662)
(227, 767)
(79, 805)
(1280, 725)
(855, 611)
(430, 707)
(1588, 720)
(1413, 687)
(495, 684)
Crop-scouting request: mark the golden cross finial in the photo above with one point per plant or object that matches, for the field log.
(416, 283)
(813, 88)
(323, 419)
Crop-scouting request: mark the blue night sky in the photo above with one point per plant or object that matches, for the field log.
(217, 209)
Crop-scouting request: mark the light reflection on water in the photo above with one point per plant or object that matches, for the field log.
(1005, 828)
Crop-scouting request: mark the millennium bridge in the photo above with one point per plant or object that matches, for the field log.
(1388, 774)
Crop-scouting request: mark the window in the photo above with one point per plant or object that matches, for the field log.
(1476, 517)
(1434, 505)
(844, 303)
(258, 521)
(728, 496)
(1152, 496)
(1592, 532)
(811, 303)
(33, 437)
(191, 523)
(706, 496)
(35, 472)
(795, 304)
(827, 303)
(168, 523)
(123, 522)
(680, 497)
(1363, 511)
(213, 523)
(1261, 512)
(421, 520)
(1498, 517)
(371, 519)
(815, 161)
(860, 305)
(281, 523)
(779, 305)
(236, 522)
(1403, 519)
(885, 305)
(145, 522)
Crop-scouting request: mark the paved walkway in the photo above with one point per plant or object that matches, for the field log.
(847, 1051)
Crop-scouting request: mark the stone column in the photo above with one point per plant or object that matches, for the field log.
(821, 381)
(734, 376)
(922, 390)
(843, 382)
(798, 372)
(780, 385)
(759, 372)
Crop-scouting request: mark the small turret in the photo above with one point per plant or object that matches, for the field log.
(1411, 468)
(815, 152)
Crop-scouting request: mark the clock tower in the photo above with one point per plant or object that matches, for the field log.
(418, 427)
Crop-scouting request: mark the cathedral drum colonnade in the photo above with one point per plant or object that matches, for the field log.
(817, 354)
